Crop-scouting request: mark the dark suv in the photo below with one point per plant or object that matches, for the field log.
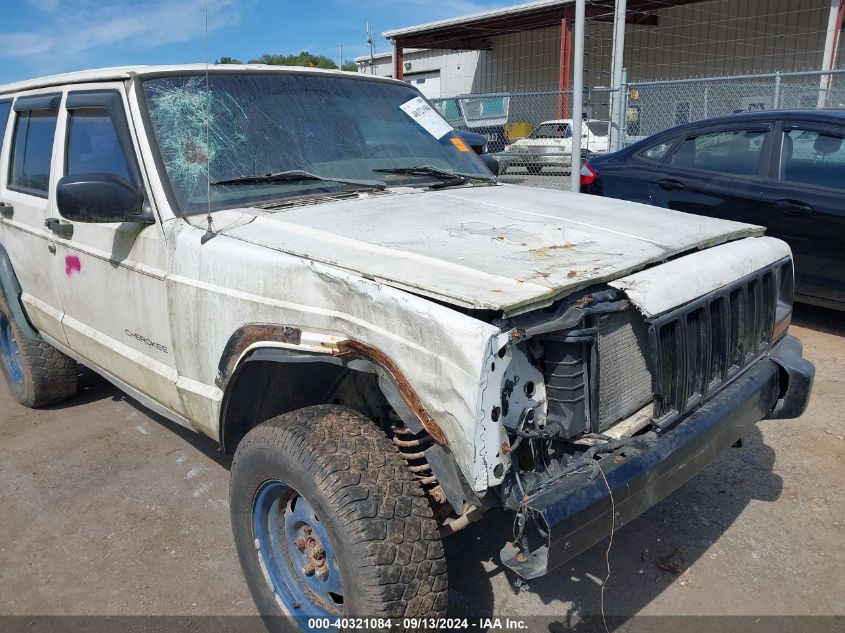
(783, 170)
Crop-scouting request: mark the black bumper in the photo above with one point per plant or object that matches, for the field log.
(575, 512)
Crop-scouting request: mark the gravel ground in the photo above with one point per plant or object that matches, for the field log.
(110, 510)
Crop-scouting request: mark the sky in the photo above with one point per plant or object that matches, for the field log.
(44, 37)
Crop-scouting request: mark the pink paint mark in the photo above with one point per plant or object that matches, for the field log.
(72, 264)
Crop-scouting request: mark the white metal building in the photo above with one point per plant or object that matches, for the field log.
(436, 73)
(524, 47)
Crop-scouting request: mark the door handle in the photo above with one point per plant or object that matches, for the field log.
(671, 185)
(62, 229)
(793, 207)
(6, 210)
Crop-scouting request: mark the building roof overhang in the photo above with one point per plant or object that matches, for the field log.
(473, 32)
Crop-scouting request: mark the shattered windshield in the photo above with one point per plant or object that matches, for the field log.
(246, 126)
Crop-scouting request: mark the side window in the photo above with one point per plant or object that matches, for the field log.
(813, 158)
(735, 152)
(448, 108)
(32, 151)
(92, 144)
(5, 109)
(657, 152)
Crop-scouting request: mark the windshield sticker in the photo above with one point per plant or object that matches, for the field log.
(427, 117)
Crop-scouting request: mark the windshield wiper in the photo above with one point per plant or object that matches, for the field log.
(298, 174)
(448, 177)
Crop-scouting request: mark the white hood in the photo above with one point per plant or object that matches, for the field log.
(505, 248)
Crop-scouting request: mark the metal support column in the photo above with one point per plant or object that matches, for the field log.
(831, 47)
(577, 95)
(565, 68)
(616, 67)
(398, 61)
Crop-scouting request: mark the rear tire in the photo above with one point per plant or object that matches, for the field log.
(338, 487)
(37, 374)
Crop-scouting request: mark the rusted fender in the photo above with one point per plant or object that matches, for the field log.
(248, 335)
(357, 349)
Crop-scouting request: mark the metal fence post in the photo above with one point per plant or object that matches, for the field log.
(577, 97)
(617, 74)
(777, 91)
(621, 96)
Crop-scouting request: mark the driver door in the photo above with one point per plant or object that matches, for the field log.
(111, 276)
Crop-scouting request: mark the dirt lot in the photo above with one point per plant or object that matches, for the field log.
(109, 510)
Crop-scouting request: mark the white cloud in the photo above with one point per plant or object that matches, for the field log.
(23, 45)
(44, 5)
(83, 26)
(426, 10)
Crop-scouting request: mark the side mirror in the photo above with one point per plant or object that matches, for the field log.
(491, 162)
(100, 198)
(474, 140)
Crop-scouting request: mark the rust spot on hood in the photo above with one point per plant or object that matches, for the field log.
(545, 251)
(357, 348)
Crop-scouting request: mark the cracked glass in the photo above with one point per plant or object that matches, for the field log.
(255, 124)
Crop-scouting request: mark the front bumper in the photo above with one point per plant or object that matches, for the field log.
(522, 159)
(575, 512)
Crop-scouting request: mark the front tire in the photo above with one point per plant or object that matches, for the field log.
(329, 521)
(36, 373)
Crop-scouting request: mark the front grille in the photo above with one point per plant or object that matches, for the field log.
(704, 345)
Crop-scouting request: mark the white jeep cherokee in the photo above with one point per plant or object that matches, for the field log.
(312, 269)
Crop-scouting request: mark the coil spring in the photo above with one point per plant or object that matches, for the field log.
(412, 447)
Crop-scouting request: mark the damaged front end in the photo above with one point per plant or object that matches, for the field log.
(607, 411)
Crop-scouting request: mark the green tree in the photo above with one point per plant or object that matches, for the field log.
(302, 59)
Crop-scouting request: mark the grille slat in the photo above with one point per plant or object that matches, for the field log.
(704, 345)
(697, 344)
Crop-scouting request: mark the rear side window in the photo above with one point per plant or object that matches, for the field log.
(735, 152)
(93, 146)
(813, 158)
(657, 152)
(5, 109)
(32, 151)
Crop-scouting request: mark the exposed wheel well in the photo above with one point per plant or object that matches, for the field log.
(263, 389)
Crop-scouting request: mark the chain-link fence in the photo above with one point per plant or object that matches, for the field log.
(655, 106)
(530, 133)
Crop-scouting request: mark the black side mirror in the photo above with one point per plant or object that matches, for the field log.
(474, 140)
(100, 198)
(491, 162)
